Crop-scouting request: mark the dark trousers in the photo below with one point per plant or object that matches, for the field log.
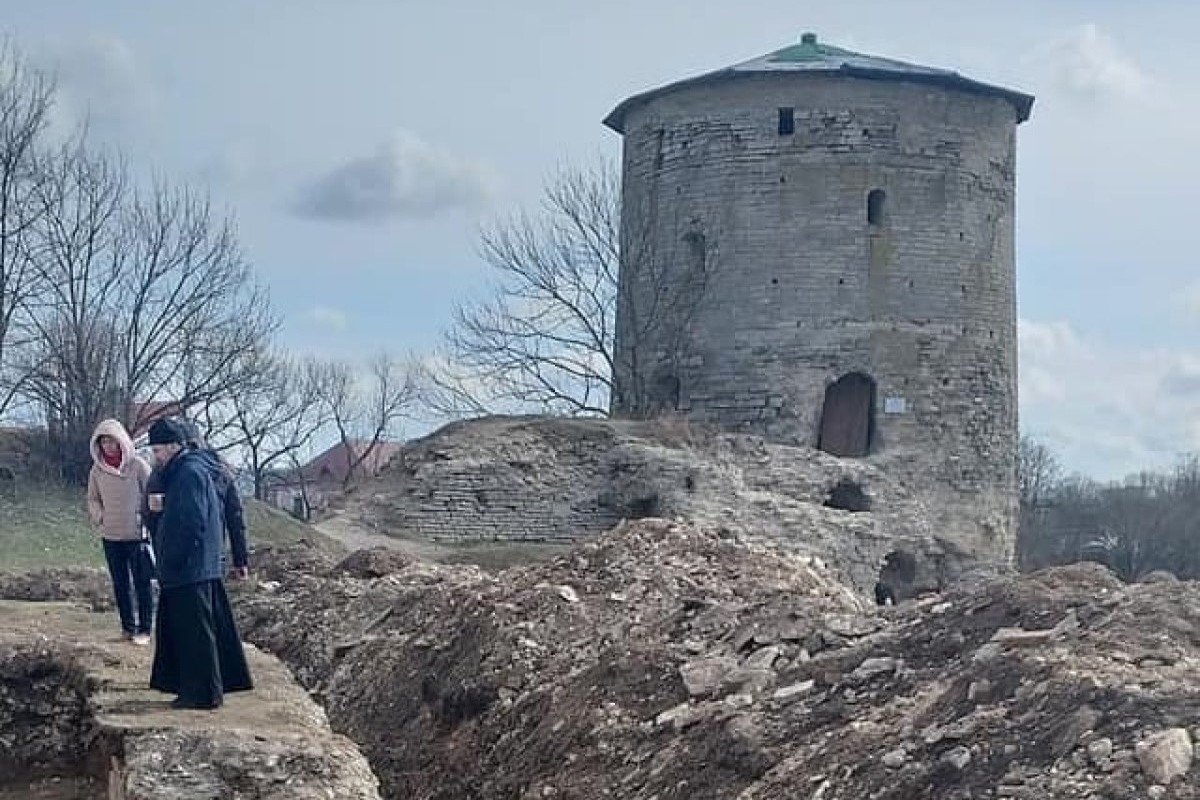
(198, 654)
(130, 578)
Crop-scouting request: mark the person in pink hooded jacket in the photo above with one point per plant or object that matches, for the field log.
(114, 499)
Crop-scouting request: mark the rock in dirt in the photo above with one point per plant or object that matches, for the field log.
(1166, 755)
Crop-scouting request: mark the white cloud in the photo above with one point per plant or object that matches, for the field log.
(1087, 64)
(1100, 179)
(99, 83)
(404, 178)
(327, 317)
(1108, 410)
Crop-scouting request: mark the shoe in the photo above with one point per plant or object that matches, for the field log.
(141, 639)
(126, 636)
(180, 703)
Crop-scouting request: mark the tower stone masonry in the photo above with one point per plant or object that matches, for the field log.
(818, 247)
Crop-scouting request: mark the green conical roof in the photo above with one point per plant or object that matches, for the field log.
(809, 49)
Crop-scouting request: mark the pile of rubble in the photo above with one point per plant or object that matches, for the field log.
(669, 661)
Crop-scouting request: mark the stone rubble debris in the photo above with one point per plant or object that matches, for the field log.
(733, 668)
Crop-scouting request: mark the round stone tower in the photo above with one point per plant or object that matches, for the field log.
(818, 246)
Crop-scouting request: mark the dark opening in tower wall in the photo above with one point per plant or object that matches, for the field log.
(848, 495)
(787, 122)
(897, 577)
(876, 207)
(848, 416)
(644, 507)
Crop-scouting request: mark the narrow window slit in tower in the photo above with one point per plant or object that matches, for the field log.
(876, 200)
(787, 122)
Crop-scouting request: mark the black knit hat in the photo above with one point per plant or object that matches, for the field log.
(167, 431)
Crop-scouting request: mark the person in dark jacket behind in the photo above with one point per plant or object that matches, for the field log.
(233, 513)
(198, 654)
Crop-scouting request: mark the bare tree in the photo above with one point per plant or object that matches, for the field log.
(1038, 472)
(302, 486)
(544, 337)
(26, 98)
(148, 297)
(658, 298)
(72, 368)
(194, 314)
(274, 415)
(448, 388)
(1149, 521)
(365, 413)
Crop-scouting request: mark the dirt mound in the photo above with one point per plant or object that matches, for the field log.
(88, 586)
(374, 562)
(667, 661)
(282, 562)
(458, 683)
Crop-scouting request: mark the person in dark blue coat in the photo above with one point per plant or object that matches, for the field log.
(198, 653)
(234, 514)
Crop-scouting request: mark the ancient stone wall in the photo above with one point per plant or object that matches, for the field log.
(537, 479)
(536, 483)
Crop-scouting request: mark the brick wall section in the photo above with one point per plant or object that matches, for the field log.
(802, 290)
(536, 482)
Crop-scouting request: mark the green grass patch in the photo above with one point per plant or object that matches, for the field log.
(47, 526)
(267, 525)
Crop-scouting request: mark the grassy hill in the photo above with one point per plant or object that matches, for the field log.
(47, 527)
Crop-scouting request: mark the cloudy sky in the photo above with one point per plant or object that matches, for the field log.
(361, 143)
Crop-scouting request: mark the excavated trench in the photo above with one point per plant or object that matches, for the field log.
(50, 748)
(78, 721)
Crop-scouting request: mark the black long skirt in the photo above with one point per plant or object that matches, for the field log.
(198, 654)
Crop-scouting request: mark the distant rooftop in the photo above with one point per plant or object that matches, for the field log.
(810, 55)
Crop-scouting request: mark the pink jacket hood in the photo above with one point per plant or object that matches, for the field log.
(113, 428)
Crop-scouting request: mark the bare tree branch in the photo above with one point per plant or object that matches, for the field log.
(26, 98)
(275, 413)
(545, 335)
(367, 413)
(147, 297)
